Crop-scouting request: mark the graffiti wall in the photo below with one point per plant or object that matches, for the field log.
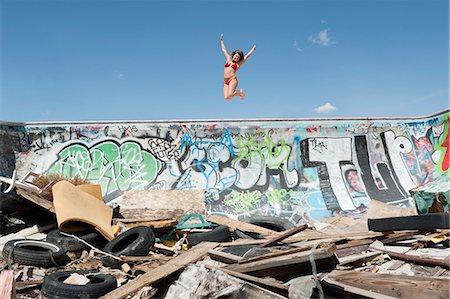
(294, 169)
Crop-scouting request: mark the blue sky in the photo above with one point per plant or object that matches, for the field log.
(158, 60)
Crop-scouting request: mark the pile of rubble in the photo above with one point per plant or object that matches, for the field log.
(159, 250)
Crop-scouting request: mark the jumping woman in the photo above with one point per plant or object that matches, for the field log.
(233, 63)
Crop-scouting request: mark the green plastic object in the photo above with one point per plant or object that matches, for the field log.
(434, 191)
(182, 225)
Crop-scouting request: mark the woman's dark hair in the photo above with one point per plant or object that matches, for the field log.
(241, 54)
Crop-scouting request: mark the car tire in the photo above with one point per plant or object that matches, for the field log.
(218, 234)
(269, 222)
(35, 253)
(136, 241)
(72, 244)
(53, 286)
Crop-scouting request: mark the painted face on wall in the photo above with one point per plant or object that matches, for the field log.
(354, 182)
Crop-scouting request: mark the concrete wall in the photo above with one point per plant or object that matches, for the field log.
(286, 168)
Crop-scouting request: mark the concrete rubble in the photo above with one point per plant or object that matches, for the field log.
(147, 257)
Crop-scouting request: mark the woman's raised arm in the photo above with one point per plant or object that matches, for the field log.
(250, 53)
(224, 50)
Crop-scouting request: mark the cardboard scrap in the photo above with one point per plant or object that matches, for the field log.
(77, 210)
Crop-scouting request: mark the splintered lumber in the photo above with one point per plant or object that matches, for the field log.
(36, 198)
(191, 256)
(7, 284)
(284, 235)
(342, 236)
(162, 204)
(284, 260)
(256, 280)
(376, 285)
(275, 254)
(224, 257)
(243, 226)
(416, 259)
(308, 236)
(151, 223)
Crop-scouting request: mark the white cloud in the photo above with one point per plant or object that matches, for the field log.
(322, 38)
(119, 75)
(327, 108)
(324, 22)
(296, 47)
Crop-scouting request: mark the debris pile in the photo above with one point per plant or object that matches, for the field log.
(161, 248)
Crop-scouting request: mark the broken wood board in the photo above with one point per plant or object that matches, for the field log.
(285, 235)
(256, 280)
(375, 285)
(150, 223)
(361, 258)
(303, 236)
(444, 262)
(242, 226)
(224, 257)
(191, 256)
(276, 264)
(276, 254)
(344, 236)
(36, 198)
(162, 204)
(7, 284)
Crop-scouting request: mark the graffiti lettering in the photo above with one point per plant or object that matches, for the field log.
(113, 166)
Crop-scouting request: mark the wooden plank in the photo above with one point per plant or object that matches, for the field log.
(7, 284)
(243, 226)
(275, 254)
(309, 236)
(354, 243)
(284, 235)
(131, 220)
(36, 198)
(256, 280)
(162, 204)
(416, 259)
(376, 285)
(357, 258)
(153, 224)
(191, 256)
(343, 236)
(391, 238)
(224, 257)
(243, 242)
(284, 260)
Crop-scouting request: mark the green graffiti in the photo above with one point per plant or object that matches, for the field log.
(241, 202)
(112, 166)
(246, 145)
(273, 155)
(281, 197)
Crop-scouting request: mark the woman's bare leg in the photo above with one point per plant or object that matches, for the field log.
(232, 92)
(225, 92)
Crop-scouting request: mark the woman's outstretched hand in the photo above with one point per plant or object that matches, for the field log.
(221, 37)
(254, 48)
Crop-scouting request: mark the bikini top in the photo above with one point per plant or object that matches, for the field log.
(234, 65)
